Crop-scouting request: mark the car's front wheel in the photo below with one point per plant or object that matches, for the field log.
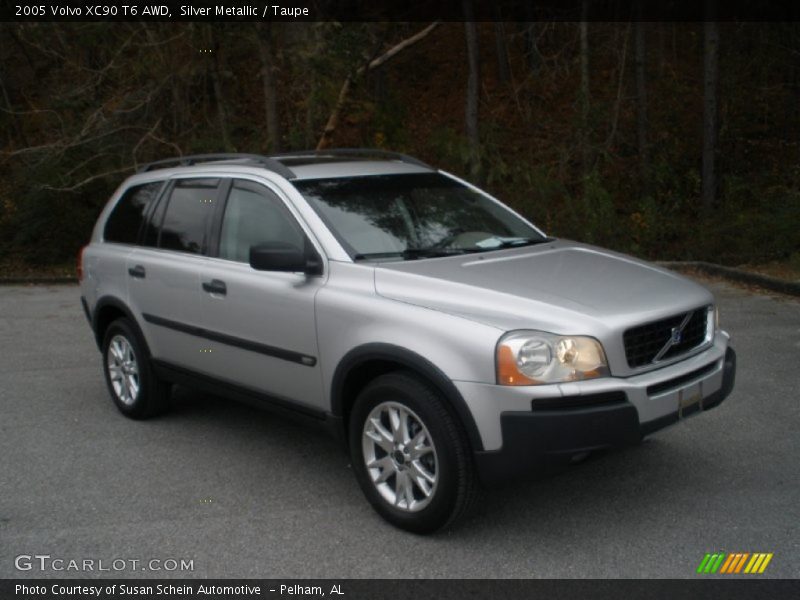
(410, 455)
(134, 387)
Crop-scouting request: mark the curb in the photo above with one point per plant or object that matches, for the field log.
(765, 281)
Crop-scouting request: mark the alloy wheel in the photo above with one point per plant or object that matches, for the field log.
(400, 456)
(123, 369)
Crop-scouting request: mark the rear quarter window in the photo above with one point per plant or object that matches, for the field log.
(126, 218)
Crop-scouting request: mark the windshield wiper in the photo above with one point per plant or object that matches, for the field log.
(522, 242)
(433, 252)
(370, 255)
(413, 253)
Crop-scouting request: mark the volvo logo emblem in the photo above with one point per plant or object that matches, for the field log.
(675, 337)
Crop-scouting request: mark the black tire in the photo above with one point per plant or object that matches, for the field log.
(152, 396)
(456, 490)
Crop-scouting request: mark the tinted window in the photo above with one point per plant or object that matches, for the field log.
(188, 211)
(153, 226)
(126, 219)
(254, 215)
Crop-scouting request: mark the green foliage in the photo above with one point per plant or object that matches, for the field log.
(538, 194)
(754, 232)
(390, 119)
(452, 149)
(591, 216)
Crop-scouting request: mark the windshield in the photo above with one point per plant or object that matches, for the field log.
(410, 216)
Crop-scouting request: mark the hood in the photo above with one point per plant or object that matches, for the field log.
(560, 286)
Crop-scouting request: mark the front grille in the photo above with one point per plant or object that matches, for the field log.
(645, 342)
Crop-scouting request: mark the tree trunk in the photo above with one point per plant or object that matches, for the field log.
(532, 57)
(662, 48)
(333, 120)
(473, 83)
(216, 81)
(15, 129)
(501, 47)
(794, 112)
(584, 89)
(641, 105)
(710, 125)
(270, 92)
(620, 86)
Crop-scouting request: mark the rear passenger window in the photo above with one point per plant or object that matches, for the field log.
(189, 209)
(126, 218)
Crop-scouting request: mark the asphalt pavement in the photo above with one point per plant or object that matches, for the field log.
(244, 493)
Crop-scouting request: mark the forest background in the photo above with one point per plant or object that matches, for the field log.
(669, 141)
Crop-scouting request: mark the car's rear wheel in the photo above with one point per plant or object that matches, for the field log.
(410, 455)
(134, 387)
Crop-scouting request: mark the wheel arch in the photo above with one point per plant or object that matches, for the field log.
(106, 311)
(364, 363)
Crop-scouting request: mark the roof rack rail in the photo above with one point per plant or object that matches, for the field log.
(184, 161)
(366, 152)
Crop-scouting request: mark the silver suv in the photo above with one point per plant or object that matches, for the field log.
(448, 341)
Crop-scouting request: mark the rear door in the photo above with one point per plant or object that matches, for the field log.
(107, 263)
(262, 324)
(164, 272)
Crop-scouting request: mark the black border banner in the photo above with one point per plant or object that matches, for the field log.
(732, 588)
(397, 10)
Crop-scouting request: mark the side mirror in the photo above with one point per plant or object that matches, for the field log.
(284, 257)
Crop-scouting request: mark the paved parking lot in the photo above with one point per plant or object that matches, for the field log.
(243, 493)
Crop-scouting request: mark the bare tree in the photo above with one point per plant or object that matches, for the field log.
(473, 83)
(583, 93)
(620, 85)
(641, 102)
(216, 80)
(264, 35)
(501, 47)
(710, 117)
(533, 59)
(333, 119)
(532, 56)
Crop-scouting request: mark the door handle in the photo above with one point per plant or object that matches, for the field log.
(215, 286)
(137, 271)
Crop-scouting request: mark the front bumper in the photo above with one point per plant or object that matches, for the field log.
(544, 436)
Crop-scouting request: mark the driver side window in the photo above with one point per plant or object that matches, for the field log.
(254, 215)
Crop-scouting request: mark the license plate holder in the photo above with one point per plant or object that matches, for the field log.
(690, 399)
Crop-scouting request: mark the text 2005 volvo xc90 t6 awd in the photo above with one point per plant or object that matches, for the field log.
(448, 341)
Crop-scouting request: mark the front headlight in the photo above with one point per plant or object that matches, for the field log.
(537, 357)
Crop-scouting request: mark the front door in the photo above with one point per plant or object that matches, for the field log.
(260, 325)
